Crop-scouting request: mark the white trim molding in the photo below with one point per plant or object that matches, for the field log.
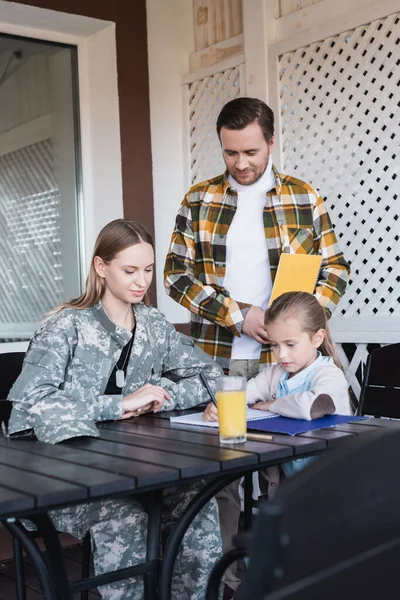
(223, 65)
(170, 38)
(366, 330)
(216, 53)
(14, 347)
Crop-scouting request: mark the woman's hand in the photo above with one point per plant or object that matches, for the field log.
(262, 405)
(140, 411)
(211, 413)
(149, 398)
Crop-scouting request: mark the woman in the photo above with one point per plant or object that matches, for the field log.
(108, 355)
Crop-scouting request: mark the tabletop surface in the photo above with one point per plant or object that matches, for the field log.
(142, 454)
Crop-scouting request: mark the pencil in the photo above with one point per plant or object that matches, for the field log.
(209, 390)
(253, 437)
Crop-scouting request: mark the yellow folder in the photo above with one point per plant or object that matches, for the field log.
(296, 273)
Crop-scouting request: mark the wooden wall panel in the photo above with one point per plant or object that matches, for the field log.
(216, 21)
(291, 6)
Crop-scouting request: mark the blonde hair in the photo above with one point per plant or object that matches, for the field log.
(112, 239)
(312, 317)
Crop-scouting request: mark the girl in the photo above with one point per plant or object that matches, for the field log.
(307, 381)
(108, 355)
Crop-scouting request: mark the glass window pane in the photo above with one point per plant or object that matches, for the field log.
(39, 182)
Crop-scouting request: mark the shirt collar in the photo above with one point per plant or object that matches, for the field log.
(298, 379)
(226, 186)
(278, 179)
(119, 333)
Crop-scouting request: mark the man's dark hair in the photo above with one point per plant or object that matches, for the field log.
(240, 112)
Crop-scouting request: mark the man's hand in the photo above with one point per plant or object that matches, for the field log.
(253, 325)
(211, 413)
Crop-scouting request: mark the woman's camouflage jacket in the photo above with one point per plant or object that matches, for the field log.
(60, 391)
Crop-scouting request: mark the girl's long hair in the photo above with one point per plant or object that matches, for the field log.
(112, 239)
(312, 317)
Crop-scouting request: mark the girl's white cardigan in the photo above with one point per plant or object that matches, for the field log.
(328, 393)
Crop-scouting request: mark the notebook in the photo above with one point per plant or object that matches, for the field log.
(278, 424)
(197, 418)
(296, 273)
(273, 423)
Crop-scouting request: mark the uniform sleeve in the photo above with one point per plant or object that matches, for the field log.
(182, 363)
(335, 271)
(182, 285)
(329, 394)
(40, 400)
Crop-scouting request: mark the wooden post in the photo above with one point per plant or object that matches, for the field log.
(258, 29)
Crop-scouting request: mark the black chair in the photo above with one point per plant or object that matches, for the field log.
(336, 525)
(380, 392)
(10, 368)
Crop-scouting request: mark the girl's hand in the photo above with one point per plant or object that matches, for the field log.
(211, 413)
(139, 401)
(262, 405)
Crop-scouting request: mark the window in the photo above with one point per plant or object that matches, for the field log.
(40, 182)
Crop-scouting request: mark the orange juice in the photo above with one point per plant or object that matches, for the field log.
(232, 413)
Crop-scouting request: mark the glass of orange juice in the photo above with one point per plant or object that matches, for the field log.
(231, 405)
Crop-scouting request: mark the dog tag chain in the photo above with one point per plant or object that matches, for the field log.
(120, 373)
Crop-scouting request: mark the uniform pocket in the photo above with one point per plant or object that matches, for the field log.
(41, 357)
(301, 240)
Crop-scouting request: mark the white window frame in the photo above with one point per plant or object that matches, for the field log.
(100, 193)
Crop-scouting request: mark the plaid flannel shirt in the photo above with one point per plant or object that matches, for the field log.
(295, 220)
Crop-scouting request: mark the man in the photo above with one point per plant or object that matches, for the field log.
(230, 232)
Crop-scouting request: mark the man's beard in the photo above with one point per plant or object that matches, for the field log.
(258, 177)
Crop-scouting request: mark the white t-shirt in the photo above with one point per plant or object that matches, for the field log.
(248, 275)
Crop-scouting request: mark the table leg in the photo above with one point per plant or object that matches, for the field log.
(86, 556)
(53, 587)
(19, 569)
(154, 508)
(248, 501)
(54, 556)
(185, 520)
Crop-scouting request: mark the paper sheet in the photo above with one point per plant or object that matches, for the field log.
(197, 418)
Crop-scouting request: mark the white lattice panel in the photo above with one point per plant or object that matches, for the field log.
(206, 98)
(353, 364)
(340, 132)
(340, 115)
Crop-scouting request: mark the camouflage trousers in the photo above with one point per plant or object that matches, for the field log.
(118, 529)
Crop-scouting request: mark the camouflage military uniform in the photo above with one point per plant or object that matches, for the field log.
(60, 395)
